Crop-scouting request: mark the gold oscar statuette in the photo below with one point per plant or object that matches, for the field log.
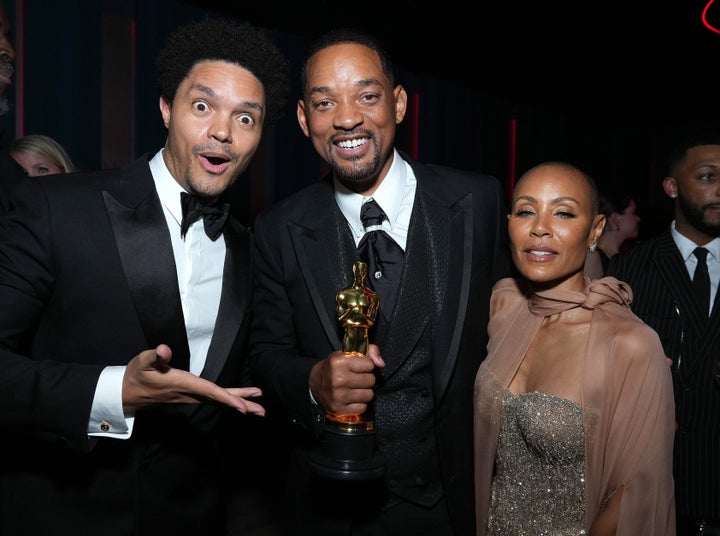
(348, 441)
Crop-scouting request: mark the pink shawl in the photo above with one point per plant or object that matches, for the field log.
(627, 396)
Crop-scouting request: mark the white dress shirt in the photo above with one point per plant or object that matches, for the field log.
(395, 195)
(687, 246)
(199, 262)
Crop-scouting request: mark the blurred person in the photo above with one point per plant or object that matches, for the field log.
(663, 272)
(7, 56)
(429, 335)
(621, 229)
(10, 171)
(574, 404)
(41, 155)
(96, 268)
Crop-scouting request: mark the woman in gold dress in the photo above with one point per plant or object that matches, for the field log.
(574, 412)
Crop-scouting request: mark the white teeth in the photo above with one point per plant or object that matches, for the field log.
(540, 253)
(351, 144)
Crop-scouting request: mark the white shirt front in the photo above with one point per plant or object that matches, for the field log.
(199, 262)
(687, 246)
(395, 195)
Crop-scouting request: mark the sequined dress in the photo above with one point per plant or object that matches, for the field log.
(539, 484)
(619, 439)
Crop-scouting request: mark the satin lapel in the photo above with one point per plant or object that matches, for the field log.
(422, 284)
(674, 274)
(232, 301)
(458, 272)
(142, 239)
(326, 254)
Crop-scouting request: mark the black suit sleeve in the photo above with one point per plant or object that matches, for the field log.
(39, 396)
(10, 174)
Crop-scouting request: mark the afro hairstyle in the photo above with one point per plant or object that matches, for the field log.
(219, 39)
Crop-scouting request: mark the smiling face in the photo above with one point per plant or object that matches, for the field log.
(552, 224)
(214, 126)
(350, 112)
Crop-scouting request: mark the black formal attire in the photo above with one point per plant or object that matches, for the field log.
(10, 174)
(432, 341)
(88, 278)
(663, 297)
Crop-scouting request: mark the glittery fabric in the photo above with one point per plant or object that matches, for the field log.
(538, 487)
(628, 413)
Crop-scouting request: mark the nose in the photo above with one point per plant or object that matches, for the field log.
(347, 116)
(221, 129)
(539, 228)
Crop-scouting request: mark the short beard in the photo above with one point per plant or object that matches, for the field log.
(359, 177)
(695, 216)
(4, 105)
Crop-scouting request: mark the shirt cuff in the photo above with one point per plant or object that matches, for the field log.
(107, 418)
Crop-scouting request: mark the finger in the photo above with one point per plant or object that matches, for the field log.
(245, 392)
(374, 354)
(163, 354)
(254, 408)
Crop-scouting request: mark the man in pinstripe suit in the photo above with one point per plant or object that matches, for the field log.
(660, 272)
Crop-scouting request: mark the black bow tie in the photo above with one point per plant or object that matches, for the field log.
(213, 216)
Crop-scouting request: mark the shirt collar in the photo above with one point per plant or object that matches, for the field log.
(167, 187)
(687, 246)
(389, 196)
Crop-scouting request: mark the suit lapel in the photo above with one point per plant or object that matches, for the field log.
(325, 267)
(232, 301)
(673, 272)
(143, 242)
(420, 286)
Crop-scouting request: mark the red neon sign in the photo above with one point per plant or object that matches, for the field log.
(704, 18)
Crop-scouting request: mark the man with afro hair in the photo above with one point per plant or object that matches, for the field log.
(125, 297)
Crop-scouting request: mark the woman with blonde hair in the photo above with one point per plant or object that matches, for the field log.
(41, 155)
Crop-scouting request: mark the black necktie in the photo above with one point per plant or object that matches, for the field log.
(701, 280)
(213, 216)
(382, 254)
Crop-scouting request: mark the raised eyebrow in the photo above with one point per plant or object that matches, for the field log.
(252, 105)
(207, 90)
(203, 89)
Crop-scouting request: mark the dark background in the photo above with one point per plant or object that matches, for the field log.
(495, 86)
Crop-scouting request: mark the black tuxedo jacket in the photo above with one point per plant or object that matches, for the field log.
(10, 174)
(88, 279)
(456, 250)
(663, 297)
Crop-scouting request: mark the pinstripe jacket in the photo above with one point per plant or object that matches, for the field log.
(664, 299)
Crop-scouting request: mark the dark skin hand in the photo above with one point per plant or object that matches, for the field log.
(150, 380)
(343, 383)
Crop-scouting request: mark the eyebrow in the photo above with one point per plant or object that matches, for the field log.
(561, 199)
(207, 90)
(366, 82)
